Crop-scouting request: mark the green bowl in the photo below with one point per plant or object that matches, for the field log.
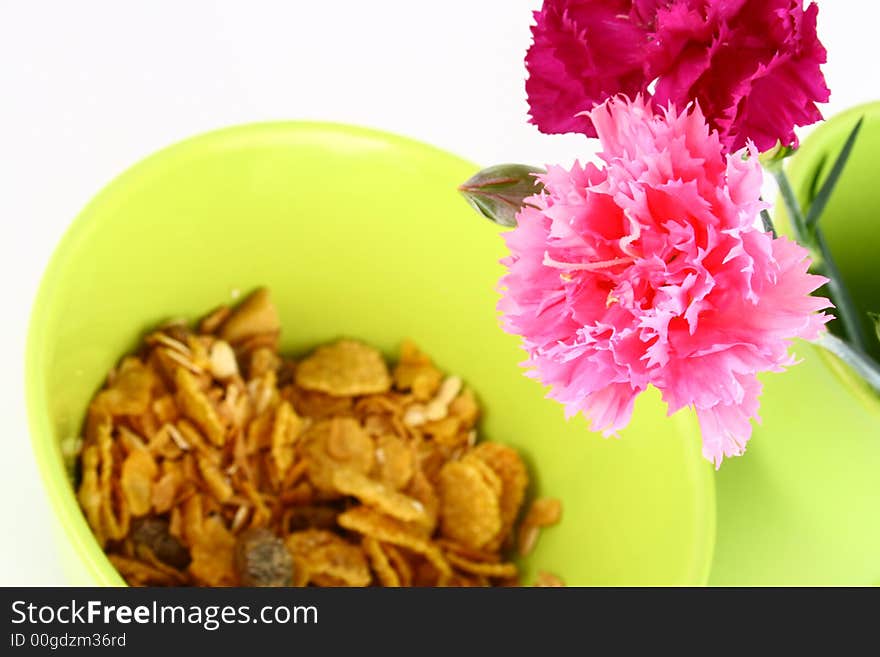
(357, 233)
(801, 507)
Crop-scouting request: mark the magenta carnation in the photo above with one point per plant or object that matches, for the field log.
(651, 270)
(753, 65)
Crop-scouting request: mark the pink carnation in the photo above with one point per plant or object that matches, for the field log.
(753, 65)
(651, 270)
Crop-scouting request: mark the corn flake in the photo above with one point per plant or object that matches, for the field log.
(487, 569)
(390, 530)
(166, 488)
(285, 432)
(543, 512)
(89, 495)
(322, 553)
(376, 494)
(400, 563)
(319, 405)
(385, 573)
(331, 444)
(510, 469)
(215, 481)
(344, 369)
(395, 460)
(415, 372)
(131, 390)
(469, 506)
(138, 472)
(213, 554)
(198, 407)
(138, 573)
(255, 316)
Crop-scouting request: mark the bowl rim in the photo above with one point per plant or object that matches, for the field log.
(63, 503)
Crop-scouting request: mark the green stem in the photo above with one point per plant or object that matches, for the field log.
(823, 262)
(860, 362)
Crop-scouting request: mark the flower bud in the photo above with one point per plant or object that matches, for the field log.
(498, 192)
(773, 158)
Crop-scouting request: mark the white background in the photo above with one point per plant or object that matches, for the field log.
(88, 88)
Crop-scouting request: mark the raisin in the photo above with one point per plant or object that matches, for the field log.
(153, 533)
(262, 559)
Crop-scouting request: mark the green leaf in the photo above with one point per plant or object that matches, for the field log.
(817, 207)
(498, 192)
(875, 317)
(767, 221)
(813, 186)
